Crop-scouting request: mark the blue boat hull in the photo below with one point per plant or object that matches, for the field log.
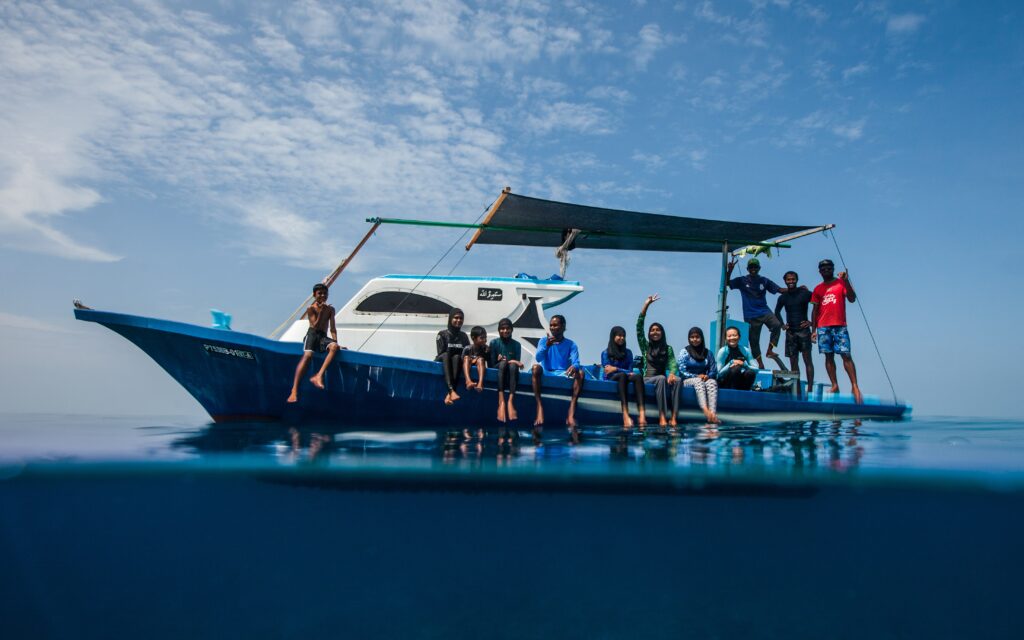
(238, 376)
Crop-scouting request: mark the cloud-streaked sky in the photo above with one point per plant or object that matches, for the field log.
(165, 158)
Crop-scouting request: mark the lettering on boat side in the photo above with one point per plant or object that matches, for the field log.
(485, 293)
(225, 352)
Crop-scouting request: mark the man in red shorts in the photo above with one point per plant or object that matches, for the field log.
(829, 323)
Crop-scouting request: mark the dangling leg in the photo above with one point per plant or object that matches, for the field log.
(675, 390)
(300, 370)
(502, 373)
(641, 390)
(711, 390)
(513, 383)
(318, 379)
(538, 422)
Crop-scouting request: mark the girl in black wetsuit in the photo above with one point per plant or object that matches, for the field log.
(450, 343)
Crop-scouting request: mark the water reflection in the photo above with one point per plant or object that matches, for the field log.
(839, 446)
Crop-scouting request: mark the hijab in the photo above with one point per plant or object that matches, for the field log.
(616, 353)
(657, 352)
(696, 353)
(505, 322)
(451, 315)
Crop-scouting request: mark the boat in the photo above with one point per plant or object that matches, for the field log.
(238, 376)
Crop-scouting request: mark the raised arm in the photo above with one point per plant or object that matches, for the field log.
(641, 322)
(851, 295)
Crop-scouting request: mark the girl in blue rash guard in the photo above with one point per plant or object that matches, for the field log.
(450, 343)
(617, 366)
(736, 366)
(699, 370)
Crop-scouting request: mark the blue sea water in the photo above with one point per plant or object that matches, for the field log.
(168, 527)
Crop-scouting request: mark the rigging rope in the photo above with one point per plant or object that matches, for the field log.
(424, 277)
(860, 305)
(562, 252)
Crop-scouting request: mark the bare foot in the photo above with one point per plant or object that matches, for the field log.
(672, 422)
(539, 422)
(479, 388)
(662, 421)
(858, 397)
(448, 398)
(318, 381)
(571, 421)
(770, 353)
(810, 388)
(512, 415)
(501, 412)
(627, 422)
(454, 396)
(641, 420)
(707, 414)
(470, 385)
(834, 389)
(294, 397)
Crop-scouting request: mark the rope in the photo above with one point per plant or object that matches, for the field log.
(276, 333)
(562, 252)
(860, 305)
(424, 277)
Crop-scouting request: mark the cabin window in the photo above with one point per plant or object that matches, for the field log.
(403, 302)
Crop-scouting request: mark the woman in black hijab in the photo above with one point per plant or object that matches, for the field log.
(659, 363)
(617, 366)
(450, 343)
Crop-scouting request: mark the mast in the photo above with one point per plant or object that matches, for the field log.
(722, 291)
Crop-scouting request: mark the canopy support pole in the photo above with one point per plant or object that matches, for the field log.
(490, 214)
(806, 232)
(723, 288)
(328, 280)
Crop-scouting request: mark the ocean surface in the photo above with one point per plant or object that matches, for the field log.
(170, 527)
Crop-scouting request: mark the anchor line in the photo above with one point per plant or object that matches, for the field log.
(860, 305)
(424, 277)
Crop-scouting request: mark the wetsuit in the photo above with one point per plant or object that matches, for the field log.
(450, 345)
(508, 374)
(796, 301)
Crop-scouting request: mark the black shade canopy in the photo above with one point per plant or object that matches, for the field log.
(544, 223)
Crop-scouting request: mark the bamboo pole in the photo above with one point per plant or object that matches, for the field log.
(490, 214)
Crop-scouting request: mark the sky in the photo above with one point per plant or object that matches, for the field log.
(166, 158)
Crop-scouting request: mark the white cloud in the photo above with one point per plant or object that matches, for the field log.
(856, 70)
(850, 130)
(650, 41)
(569, 116)
(649, 160)
(610, 94)
(904, 23)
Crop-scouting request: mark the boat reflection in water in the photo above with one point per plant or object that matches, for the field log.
(783, 449)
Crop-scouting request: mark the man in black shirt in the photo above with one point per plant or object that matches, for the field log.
(798, 325)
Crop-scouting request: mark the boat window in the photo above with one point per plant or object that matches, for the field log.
(402, 302)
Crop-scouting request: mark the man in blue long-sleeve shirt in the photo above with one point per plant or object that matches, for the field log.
(556, 356)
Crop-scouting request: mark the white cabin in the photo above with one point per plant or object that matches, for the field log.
(400, 315)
